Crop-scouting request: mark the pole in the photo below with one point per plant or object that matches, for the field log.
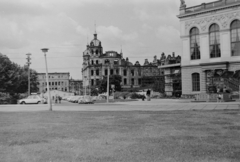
(49, 95)
(28, 64)
(29, 81)
(108, 84)
(85, 86)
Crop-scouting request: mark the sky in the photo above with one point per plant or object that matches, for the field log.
(141, 28)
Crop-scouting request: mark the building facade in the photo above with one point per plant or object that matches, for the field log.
(96, 64)
(57, 81)
(171, 69)
(76, 86)
(210, 35)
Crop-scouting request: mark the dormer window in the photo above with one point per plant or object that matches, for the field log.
(111, 54)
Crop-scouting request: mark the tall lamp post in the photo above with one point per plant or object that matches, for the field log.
(45, 50)
(28, 64)
(108, 82)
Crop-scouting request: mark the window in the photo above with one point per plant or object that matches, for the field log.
(92, 82)
(49, 83)
(96, 52)
(106, 71)
(132, 81)
(55, 83)
(235, 41)
(111, 72)
(125, 72)
(214, 39)
(125, 81)
(132, 72)
(115, 62)
(107, 61)
(117, 71)
(92, 62)
(139, 81)
(92, 72)
(97, 81)
(58, 83)
(195, 82)
(97, 62)
(97, 72)
(194, 44)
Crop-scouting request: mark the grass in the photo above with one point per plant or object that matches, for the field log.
(177, 136)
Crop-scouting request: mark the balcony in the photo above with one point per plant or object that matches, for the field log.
(210, 6)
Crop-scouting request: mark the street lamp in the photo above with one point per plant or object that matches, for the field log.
(108, 82)
(45, 50)
(28, 64)
(85, 85)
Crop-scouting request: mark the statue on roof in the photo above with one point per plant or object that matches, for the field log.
(183, 4)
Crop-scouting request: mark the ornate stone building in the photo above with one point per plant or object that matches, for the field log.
(210, 35)
(134, 76)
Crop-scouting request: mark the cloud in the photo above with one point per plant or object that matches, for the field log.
(113, 33)
(168, 34)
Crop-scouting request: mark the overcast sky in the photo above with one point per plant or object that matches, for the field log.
(144, 28)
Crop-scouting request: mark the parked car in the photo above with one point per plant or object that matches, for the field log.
(85, 100)
(33, 99)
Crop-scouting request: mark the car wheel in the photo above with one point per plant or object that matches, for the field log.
(38, 102)
(23, 102)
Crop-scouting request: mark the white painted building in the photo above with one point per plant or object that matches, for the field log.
(210, 34)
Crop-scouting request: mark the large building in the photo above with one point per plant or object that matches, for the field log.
(96, 64)
(57, 81)
(210, 34)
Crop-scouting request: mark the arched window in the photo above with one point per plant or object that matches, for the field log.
(214, 38)
(235, 41)
(194, 44)
(195, 82)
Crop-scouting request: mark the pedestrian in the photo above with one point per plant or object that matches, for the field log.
(56, 99)
(148, 95)
(219, 96)
(53, 98)
(59, 99)
(143, 97)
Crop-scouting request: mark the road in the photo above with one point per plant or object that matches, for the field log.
(153, 105)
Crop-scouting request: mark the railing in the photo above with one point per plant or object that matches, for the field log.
(210, 5)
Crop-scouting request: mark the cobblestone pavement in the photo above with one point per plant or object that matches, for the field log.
(153, 105)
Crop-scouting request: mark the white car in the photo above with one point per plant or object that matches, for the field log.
(33, 99)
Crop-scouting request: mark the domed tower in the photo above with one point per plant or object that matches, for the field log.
(95, 46)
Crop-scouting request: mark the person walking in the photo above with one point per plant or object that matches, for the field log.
(56, 99)
(59, 99)
(148, 95)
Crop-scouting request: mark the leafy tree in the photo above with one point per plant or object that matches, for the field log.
(14, 78)
(113, 79)
(159, 85)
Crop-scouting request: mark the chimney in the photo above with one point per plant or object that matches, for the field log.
(173, 54)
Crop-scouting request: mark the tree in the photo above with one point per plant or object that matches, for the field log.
(113, 79)
(14, 78)
(159, 85)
